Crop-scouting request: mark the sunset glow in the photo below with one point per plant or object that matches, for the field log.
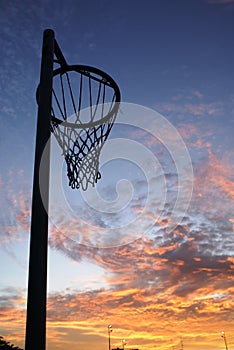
(163, 288)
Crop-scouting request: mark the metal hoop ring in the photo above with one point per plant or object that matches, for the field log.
(95, 74)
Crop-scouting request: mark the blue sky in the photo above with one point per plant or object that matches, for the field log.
(172, 57)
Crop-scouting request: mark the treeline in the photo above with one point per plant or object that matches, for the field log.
(5, 345)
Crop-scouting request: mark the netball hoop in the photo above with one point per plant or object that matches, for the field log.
(78, 104)
(85, 103)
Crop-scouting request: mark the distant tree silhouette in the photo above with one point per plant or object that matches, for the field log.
(5, 345)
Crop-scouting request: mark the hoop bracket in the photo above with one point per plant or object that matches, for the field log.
(59, 55)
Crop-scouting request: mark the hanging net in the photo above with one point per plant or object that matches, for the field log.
(85, 103)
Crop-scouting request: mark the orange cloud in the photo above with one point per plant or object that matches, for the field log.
(155, 300)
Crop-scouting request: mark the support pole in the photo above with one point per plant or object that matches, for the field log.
(109, 338)
(225, 339)
(37, 278)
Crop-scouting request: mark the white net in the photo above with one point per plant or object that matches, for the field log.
(80, 126)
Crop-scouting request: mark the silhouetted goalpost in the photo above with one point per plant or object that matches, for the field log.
(37, 275)
(81, 153)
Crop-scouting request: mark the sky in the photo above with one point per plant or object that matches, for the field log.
(150, 250)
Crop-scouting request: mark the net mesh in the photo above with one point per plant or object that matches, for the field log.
(81, 123)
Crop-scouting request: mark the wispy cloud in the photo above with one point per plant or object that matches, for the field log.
(12, 314)
(15, 207)
(195, 109)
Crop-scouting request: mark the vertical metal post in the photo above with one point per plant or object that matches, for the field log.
(109, 342)
(225, 339)
(109, 328)
(37, 278)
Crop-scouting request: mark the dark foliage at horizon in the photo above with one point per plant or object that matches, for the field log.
(5, 345)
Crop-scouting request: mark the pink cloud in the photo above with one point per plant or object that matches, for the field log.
(194, 109)
(198, 94)
(214, 180)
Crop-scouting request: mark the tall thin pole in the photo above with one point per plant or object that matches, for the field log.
(225, 340)
(37, 278)
(109, 338)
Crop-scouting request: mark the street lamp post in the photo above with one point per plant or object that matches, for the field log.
(109, 332)
(124, 343)
(225, 339)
